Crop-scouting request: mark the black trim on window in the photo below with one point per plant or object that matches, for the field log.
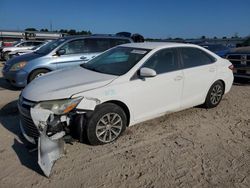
(212, 59)
(178, 61)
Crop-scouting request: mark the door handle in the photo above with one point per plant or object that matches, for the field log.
(84, 58)
(178, 78)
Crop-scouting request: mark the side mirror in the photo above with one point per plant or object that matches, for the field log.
(147, 72)
(60, 52)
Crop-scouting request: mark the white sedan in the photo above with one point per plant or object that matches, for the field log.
(123, 86)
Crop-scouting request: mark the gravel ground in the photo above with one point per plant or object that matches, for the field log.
(191, 148)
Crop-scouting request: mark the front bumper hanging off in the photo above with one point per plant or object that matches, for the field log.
(50, 148)
(51, 130)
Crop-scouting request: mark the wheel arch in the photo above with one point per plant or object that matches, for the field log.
(223, 83)
(39, 68)
(123, 106)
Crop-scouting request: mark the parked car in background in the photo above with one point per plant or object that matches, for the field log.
(240, 58)
(4, 52)
(26, 51)
(61, 53)
(123, 86)
(219, 49)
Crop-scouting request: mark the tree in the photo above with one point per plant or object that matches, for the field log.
(235, 36)
(215, 37)
(246, 42)
(30, 29)
(63, 31)
(224, 37)
(44, 30)
(72, 32)
(203, 37)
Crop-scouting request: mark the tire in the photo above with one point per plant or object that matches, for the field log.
(214, 95)
(99, 128)
(37, 73)
(6, 56)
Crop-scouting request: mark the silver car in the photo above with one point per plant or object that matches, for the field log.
(61, 53)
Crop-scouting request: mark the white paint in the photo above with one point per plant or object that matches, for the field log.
(145, 98)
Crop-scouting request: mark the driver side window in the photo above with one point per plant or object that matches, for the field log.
(163, 61)
(74, 47)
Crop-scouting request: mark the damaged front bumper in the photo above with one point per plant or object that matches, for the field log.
(26, 136)
(50, 129)
(50, 144)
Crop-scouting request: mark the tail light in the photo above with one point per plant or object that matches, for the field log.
(231, 67)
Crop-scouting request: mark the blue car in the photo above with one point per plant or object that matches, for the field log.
(58, 54)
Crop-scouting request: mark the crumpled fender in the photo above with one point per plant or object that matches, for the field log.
(51, 148)
(88, 103)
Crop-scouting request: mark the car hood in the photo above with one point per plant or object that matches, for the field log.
(9, 48)
(25, 57)
(65, 83)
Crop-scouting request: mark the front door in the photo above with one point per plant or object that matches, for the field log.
(162, 93)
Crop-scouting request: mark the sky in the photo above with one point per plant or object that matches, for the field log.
(151, 18)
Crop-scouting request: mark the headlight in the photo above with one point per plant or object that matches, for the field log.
(18, 66)
(60, 107)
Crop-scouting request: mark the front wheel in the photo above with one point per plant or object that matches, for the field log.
(214, 95)
(106, 124)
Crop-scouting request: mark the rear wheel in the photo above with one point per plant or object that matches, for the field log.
(37, 73)
(214, 95)
(105, 124)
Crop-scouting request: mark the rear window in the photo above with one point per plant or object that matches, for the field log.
(115, 42)
(192, 57)
(102, 44)
(37, 43)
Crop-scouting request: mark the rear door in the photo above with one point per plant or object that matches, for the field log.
(199, 70)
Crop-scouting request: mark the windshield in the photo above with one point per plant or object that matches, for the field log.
(47, 48)
(116, 61)
(38, 46)
(16, 43)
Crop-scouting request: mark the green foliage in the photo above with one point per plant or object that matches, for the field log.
(74, 32)
(246, 42)
(30, 29)
(44, 30)
(69, 32)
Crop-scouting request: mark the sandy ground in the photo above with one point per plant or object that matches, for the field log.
(191, 148)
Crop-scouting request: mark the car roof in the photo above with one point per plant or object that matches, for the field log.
(155, 45)
(31, 41)
(94, 36)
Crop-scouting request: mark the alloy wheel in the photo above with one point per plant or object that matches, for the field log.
(109, 127)
(216, 94)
